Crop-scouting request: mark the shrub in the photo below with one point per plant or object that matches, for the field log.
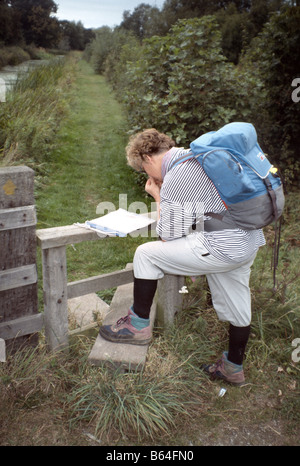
(100, 49)
(274, 57)
(184, 86)
(12, 56)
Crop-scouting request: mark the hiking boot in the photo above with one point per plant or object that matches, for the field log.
(129, 330)
(226, 370)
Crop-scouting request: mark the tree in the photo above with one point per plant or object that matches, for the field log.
(274, 56)
(232, 25)
(241, 21)
(145, 21)
(10, 26)
(73, 34)
(38, 26)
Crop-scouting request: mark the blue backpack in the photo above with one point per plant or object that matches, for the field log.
(247, 183)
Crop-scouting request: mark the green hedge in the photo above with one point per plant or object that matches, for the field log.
(183, 85)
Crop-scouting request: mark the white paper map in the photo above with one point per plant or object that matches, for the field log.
(118, 223)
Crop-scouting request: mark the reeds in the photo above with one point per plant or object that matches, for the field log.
(31, 115)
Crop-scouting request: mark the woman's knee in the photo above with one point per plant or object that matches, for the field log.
(142, 252)
(144, 264)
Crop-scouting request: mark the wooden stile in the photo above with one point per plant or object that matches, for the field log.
(19, 316)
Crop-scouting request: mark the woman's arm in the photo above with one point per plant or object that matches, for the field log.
(152, 187)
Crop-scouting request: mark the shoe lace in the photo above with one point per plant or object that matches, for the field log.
(217, 366)
(121, 321)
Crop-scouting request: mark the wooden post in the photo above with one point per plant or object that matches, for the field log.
(18, 276)
(55, 297)
(169, 300)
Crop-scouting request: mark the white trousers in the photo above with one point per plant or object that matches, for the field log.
(228, 283)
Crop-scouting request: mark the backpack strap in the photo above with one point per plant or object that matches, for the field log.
(216, 222)
(183, 158)
(277, 229)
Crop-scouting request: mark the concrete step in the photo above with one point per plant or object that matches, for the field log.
(86, 310)
(120, 355)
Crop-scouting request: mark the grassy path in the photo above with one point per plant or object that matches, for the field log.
(89, 167)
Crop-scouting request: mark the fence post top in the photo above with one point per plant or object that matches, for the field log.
(15, 169)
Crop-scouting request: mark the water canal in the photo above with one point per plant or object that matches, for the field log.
(9, 75)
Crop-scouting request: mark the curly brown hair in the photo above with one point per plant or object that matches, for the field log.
(148, 142)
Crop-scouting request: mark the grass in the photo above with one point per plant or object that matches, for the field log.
(59, 399)
(91, 144)
(32, 113)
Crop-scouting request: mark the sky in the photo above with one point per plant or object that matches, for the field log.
(97, 13)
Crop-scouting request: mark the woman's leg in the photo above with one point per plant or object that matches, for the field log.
(143, 294)
(238, 339)
(185, 256)
(232, 301)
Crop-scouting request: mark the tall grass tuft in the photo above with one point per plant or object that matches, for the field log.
(127, 403)
(28, 379)
(31, 115)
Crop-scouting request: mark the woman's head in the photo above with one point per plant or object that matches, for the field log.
(146, 143)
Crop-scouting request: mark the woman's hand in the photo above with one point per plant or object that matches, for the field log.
(152, 187)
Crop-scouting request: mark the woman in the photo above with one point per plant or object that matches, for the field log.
(184, 194)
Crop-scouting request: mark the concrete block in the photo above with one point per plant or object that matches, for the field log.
(120, 355)
(87, 309)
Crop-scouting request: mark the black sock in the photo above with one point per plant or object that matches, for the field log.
(238, 339)
(143, 294)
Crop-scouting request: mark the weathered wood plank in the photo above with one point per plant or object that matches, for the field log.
(55, 297)
(61, 236)
(18, 217)
(22, 326)
(169, 300)
(17, 277)
(17, 246)
(72, 234)
(16, 187)
(13, 304)
(100, 282)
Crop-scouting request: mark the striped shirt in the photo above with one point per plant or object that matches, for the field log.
(186, 194)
